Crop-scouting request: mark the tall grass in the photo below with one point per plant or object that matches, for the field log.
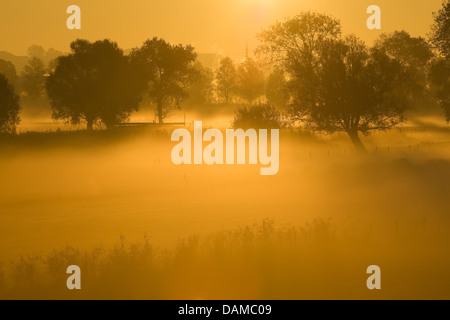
(261, 261)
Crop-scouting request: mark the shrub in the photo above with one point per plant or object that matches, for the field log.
(262, 116)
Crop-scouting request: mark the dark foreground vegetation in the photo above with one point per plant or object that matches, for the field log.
(306, 72)
(262, 261)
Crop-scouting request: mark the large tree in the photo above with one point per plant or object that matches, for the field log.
(36, 51)
(440, 35)
(96, 81)
(294, 46)
(276, 89)
(250, 80)
(415, 55)
(411, 52)
(440, 78)
(169, 71)
(201, 90)
(226, 79)
(440, 69)
(336, 84)
(8, 69)
(9, 106)
(33, 78)
(48, 57)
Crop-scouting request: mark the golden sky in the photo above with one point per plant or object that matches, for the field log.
(220, 26)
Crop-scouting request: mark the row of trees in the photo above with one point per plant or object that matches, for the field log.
(330, 82)
(440, 69)
(245, 81)
(98, 82)
(30, 83)
(337, 83)
(9, 106)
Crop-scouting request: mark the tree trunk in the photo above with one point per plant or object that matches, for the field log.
(160, 116)
(354, 137)
(90, 124)
(110, 126)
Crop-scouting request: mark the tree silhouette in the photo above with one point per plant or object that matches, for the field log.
(414, 54)
(96, 81)
(250, 80)
(36, 51)
(226, 79)
(440, 69)
(440, 78)
(9, 106)
(263, 116)
(8, 69)
(294, 46)
(276, 89)
(52, 54)
(48, 57)
(33, 76)
(440, 35)
(336, 84)
(201, 91)
(169, 70)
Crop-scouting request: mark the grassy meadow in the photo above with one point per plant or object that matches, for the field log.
(141, 227)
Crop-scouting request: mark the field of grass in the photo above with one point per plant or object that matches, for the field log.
(141, 227)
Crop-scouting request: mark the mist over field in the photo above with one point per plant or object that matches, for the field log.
(329, 213)
(94, 120)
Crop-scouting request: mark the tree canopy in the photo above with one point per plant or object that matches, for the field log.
(9, 106)
(250, 80)
(201, 90)
(95, 82)
(276, 89)
(440, 69)
(8, 69)
(440, 78)
(440, 30)
(415, 55)
(336, 84)
(226, 79)
(33, 76)
(168, 70)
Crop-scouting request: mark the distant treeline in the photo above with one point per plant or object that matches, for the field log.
(305, 72)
